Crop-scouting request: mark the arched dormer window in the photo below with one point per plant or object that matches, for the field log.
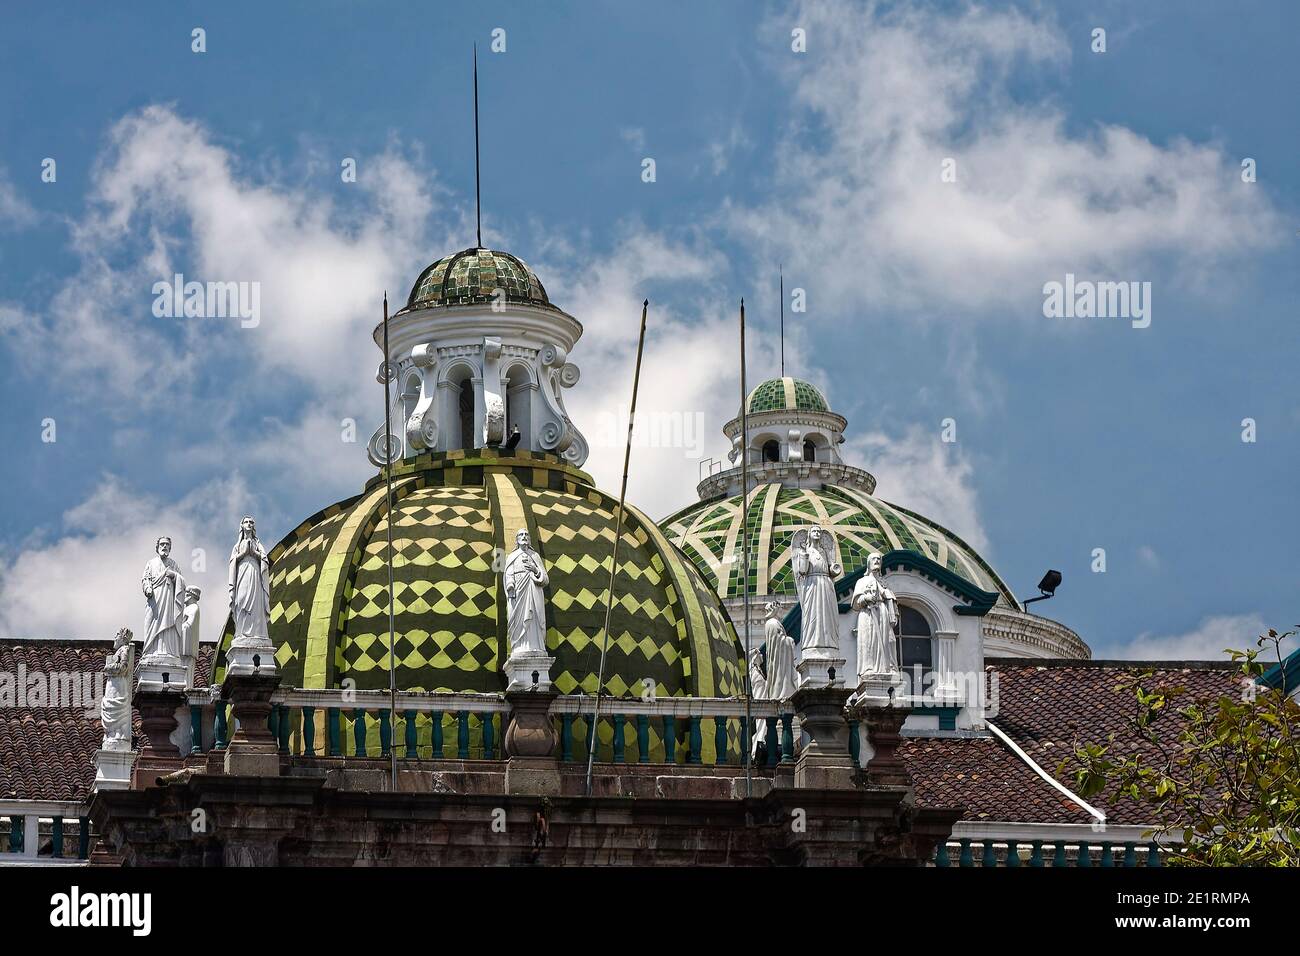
(809, 450)
(772, 450)
(916, 651)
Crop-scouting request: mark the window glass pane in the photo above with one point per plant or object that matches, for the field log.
(916, 650)
(911, 621)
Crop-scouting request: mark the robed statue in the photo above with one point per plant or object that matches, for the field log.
(778, 651)
(877, 622)
(164, 597)
(771, 669)
(249, 580)
(815, 571)
(115, 705)
(525, 581)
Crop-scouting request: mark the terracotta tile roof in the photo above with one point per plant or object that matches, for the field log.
(47, 753)
(986, 779)
(1046, 707)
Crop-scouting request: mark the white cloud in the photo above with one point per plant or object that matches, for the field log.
(634, 136)
(1206, 641)
(722, 149)
(1147, 555)
(306, 459)
(690, 372)
(82, 581)
(15, 211)
(322, 263)
(916, 470)
(895, 90)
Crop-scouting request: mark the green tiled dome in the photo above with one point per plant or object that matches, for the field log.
(473, 276)
(788, 394)
(710, 535)
(455, 513)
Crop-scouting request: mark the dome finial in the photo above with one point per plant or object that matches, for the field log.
(478, 212)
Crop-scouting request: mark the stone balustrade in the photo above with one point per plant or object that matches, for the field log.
(966, 852)
(38, 831)
(435, 726)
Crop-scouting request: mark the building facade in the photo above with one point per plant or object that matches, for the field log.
(550, 653)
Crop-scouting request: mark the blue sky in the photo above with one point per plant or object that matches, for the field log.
(925, 298)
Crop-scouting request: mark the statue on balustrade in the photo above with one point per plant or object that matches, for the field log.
(525, 582)
(815, 571)
(778, 652)
(771, 669)
(164, 595)
(249, 581)
(877, 622)
(115, 705)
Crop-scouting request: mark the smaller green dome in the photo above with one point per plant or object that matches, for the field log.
(788, 394)
(472, 276)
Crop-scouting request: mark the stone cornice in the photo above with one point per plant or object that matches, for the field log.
(801, 473)
(787, 416)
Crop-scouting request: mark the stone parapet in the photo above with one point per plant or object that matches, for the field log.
(692, 820)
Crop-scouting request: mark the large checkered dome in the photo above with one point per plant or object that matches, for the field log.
(710, 535)
(455, 517)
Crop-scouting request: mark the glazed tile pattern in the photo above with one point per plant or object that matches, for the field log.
(710, 535)
(455, 517)
(473, 276)
(786, 394)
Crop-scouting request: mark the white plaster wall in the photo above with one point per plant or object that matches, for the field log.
(936, 604)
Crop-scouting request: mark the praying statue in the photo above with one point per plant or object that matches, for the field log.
(815, 570)
(250, 587)
(758, 691)
(771, 669)
(877, 620)
(778, 647)
(115, 705)
(164, 595)
(525, 579)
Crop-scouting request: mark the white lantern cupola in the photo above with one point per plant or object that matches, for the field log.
(792, 438)
(481, 360)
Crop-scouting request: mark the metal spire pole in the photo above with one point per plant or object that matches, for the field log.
(781, 270)
(478, 213)
(618, 534)
(744, 546)
(389, 376)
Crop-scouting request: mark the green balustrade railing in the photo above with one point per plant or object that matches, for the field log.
(28, 831)
(351, 723)
(1032, 853)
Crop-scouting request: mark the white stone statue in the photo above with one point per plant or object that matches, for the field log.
(249, 580)
(190, 633)
(164, 595)
(771, 667)
(877, 623)
(815, 571)
(250, 587)
(115, 705)
(525, 579)
(779, 650)
(757, 690)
